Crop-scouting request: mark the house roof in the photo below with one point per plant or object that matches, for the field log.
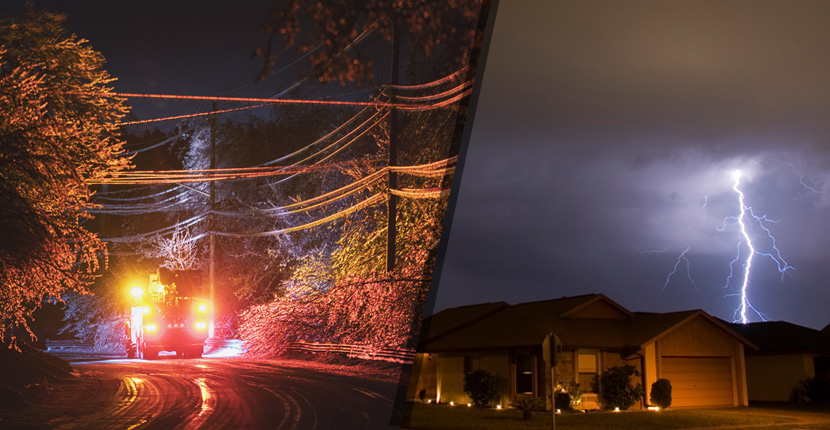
(782, 337)
(527, 324)
(452, 319)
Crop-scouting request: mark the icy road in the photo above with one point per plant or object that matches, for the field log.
(217, 393)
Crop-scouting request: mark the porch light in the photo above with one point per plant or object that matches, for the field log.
(559, 411)
(452, 403)
(617, 409)
(498, 406)
(469, 405)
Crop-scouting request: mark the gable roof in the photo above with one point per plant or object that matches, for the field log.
(454, 318)
(595, 298)
(782, 337)
(527, 324)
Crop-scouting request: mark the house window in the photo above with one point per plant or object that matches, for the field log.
(587, 372)
(524, 373)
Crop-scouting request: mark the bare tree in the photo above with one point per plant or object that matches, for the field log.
(177, 252)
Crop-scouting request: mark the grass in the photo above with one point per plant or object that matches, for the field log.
(428, 417)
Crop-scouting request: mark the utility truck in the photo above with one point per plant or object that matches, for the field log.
(170, 314)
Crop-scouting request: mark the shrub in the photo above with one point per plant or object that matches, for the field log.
(562, 400)
(574, 394)
(661, 393)
(527, 405)
(616, 390)
(811, 390)
(480, 385)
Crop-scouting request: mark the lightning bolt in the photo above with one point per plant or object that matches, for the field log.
(801, 180)
(680, 258)
(745, 220)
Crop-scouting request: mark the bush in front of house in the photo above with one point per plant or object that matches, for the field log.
(661, 393)
(574, 394)
(811, 390)
(527, 405)
(616, 389)
(562, 400)
(480, 385)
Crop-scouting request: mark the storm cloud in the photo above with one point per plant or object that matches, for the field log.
(607, 131)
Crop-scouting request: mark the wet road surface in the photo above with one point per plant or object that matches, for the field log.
(218, 393)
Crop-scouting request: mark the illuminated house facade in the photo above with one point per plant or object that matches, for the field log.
(787, 353)
(701, 356)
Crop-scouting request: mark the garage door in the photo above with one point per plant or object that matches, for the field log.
(699, 381)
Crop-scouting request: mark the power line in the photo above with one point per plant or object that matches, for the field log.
(371, 201)
(235, 99)
(448, 78)
(193, 115)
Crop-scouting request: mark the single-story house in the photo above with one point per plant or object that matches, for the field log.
(787, 353)
(701, 356)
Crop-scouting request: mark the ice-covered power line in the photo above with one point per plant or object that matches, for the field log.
(324, 138)
(239, 99)
(449, 78)
(314, 203)
(422, 193)
(192, 115)
(371, 201)
(369, 30)
(107, 195)
(438, 96)
(207, 175)
(142, 236)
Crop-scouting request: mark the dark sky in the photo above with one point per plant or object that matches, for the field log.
(184, 47)
(609, 130)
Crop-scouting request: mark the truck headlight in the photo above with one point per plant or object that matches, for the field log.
(150, 327)
(202, 307)
(201, 325)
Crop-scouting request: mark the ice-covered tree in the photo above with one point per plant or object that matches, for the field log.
(53, 138)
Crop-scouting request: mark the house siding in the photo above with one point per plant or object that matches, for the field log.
(772, 377)
(449, 376)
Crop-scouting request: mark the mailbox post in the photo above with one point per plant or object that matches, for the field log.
(552, 352)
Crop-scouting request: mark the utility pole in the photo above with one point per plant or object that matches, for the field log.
(391, 231)
(211, 225)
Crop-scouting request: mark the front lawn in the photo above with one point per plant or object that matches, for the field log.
(443, 417)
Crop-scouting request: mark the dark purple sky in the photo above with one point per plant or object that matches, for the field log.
(606, 129)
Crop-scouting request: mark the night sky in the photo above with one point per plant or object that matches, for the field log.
(604, 144)
(187, 47)
(606, 131)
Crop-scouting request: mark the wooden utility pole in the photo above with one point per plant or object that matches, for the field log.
(391, 231)
(211, 225)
